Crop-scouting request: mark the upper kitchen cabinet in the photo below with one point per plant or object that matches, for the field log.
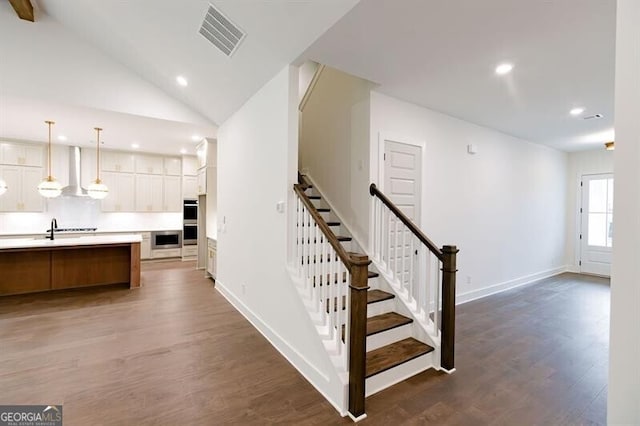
(22, 189)
(149, 164)
(190, 166)
(171, 194)
(149, 193)
(173, 166)
(113, 161)
(206, 153)
(21, 154)
(121, 192)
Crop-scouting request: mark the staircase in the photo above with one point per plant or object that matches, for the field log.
(390, 337)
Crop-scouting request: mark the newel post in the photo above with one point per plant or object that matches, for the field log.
(449, 270)
(358, 334)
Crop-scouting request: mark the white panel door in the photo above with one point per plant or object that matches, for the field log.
(596, 236)
(402, 174)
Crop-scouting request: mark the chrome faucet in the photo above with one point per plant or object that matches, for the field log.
(54, 225)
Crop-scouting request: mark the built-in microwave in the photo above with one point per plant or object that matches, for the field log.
(166, 239)
(190, 211)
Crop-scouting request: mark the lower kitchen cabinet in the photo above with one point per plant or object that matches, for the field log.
(211, 258)
(145, 246)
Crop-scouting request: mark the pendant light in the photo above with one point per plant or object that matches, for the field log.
(609, 146)
(97, 189)
(50, 187)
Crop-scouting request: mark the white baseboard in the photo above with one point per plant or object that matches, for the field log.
(286, 350)
(508, 285)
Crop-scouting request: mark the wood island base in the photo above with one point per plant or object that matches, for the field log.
(28, 270)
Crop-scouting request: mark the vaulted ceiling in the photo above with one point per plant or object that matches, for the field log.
(119, 58)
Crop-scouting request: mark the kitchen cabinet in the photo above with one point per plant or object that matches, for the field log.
(201, 153)
(190, 166)
(149, 164)
(171, 197)
(113, 161)
(211, 258)
(149, 193)
(121, 192)
(145, 245)
(22, 193)
(190, 187)
(202, 181)
(172, 166)
(21, 154)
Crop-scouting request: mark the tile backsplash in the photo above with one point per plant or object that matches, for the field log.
(85, 213)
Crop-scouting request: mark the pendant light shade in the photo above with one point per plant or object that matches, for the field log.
(50, 187)
(3, 186)
(609, 146)
(97, 189)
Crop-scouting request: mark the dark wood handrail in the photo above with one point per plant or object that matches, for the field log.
(328, 233)
(374, 191)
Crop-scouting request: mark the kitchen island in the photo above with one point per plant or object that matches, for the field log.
(33, 265)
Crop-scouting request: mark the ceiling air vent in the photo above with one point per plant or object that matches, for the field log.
(220, 31)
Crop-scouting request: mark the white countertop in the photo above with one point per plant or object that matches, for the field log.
(89, 240)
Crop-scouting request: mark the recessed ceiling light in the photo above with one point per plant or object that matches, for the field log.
(182, 81)
(196, 138)
(62, 138)
(576, 111)
(503, 69)
(183, 151)
(135, 146)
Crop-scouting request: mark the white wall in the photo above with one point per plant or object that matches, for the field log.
(504, 207)
(581, 163)
(624, 374)
(257, 151)
(334, 146)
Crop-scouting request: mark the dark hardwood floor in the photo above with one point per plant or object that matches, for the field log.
(175, 352)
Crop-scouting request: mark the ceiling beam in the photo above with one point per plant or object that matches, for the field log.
(23, 8)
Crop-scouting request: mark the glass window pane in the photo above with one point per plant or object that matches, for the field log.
(597, 229)
(609, 230)
(598, 196)
(610, 196)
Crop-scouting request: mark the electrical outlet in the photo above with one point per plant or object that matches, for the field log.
(244, 289)
(468, 279)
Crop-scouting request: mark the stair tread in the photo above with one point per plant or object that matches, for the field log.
(333, 223)
(343, 238)
(397, 353)
(384, 322)
(374, 296)
(314, 197)
(323, 209)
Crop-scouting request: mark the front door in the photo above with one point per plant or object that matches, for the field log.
(596, 235)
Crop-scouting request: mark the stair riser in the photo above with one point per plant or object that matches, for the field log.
(397, 374)
(388, 337)
(380, 308)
